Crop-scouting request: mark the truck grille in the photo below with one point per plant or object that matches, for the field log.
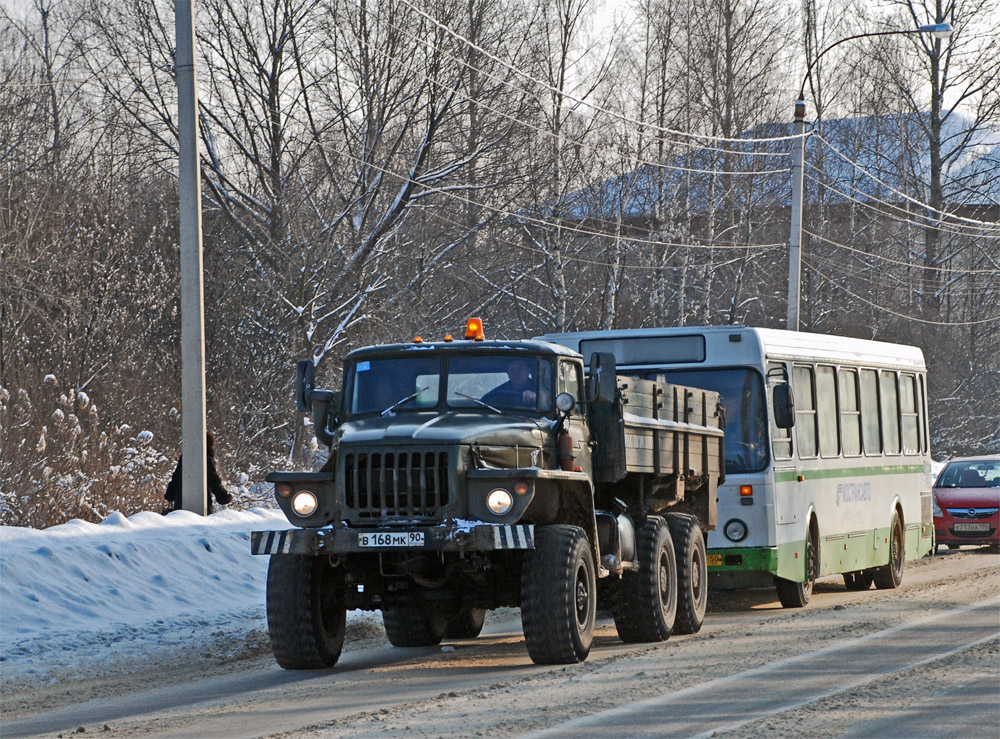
(396, 484)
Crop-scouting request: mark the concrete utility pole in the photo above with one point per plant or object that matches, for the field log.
(192, 301)
(938, 31)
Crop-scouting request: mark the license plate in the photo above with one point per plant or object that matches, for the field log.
(972, 527)
(715, 560)
(391, 539)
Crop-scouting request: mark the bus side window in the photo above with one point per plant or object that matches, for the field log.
(781, 439)
(871, 428)
(826, 411)
(909, 426)
(890, 411)
(805, 411)
(850, 414)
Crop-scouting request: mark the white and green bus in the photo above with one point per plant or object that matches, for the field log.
(828, 467)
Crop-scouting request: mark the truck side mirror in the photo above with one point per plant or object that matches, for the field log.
(305, 372)
(784, 406)
(323, 402)
(602, 382)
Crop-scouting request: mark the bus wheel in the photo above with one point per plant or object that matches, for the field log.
(644, 604)
(890, 575)
(796, 594)
(692, 573)
(559, 596)
(860, 580)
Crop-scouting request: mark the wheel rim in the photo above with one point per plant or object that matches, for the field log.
(697, 583)
(897, 550)
(807, 586)
(664, 580)
(582, 598)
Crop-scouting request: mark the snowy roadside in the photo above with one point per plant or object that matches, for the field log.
(84, 600)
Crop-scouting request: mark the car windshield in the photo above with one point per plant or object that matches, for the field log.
(494, 382)
(742, 392)
(971, 474)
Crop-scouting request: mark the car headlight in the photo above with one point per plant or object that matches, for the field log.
(304, 503)
(735, 530)
(938, 513)
(499, 501)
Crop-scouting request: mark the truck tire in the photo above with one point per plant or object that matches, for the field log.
(889, 576)
(411, 624)
(306, 614)
(467, 624)
(559, 596)
(692, 573)
(644, 604)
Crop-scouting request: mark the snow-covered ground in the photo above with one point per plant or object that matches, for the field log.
(83, 599)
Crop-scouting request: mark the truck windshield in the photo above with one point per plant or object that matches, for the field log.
(375, 385)
(500, 381)
(412, 383)
(742, 392)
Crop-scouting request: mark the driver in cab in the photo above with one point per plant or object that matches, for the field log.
(518, 391)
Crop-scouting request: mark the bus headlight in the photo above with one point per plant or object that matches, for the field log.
(499, 501)
(304, 503)
(735, 530)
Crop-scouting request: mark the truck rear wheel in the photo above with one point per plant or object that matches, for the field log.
(306, 614)
(467, 624)
(411, 624)
(645, 602)
(692, 573)
(559, 596)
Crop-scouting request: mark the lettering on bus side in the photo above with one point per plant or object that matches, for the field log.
(854, 492)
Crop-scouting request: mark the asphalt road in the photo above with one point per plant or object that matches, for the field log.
(919, 661)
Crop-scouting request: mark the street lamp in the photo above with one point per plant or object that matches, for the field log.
(936, 30)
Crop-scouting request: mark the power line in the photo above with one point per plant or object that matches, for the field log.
(995, 319)
(596, 108)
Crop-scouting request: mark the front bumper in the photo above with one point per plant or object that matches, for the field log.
(948, 530)
(476, 537)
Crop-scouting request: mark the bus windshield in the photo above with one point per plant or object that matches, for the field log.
(742, 392)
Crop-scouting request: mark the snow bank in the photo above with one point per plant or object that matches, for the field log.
(82, 599)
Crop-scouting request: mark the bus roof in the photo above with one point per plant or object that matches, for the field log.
(739, 345)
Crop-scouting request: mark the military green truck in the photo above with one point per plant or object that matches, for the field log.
(471, 475)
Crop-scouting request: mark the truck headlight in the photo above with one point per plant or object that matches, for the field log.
(304, 503)
(499, 501)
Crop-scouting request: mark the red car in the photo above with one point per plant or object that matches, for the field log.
(967, 502)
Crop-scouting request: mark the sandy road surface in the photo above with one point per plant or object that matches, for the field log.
(923, 660)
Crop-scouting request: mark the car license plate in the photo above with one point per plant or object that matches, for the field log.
(972, 527)
(715, 560)
(391, 539)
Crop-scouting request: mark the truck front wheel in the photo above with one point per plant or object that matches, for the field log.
(559, 596)
(306, 614)
(692, 573)
(645, 602)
